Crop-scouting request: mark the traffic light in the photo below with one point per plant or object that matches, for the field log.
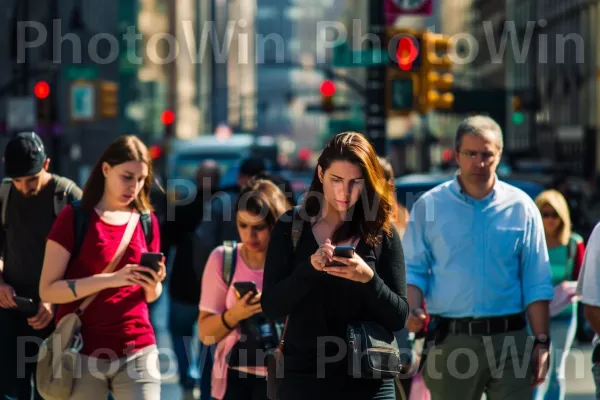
(327, 92)
(402, 83)
(518, 117)
(108, 99)
(168, 120)
(407, 53)
(43, 100)
(435, 78)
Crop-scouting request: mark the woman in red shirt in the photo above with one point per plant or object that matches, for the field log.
(119, 346)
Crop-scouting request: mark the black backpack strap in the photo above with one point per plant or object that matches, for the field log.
(62, 193)
(5, 187)
(146, 221)
(81, 223)
(297, 225)
(229, 260)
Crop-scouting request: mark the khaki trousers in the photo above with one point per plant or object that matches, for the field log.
(464, 367)
(133, 378)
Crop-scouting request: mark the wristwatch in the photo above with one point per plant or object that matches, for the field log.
(542, 339)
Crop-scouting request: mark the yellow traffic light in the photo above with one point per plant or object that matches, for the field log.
(517, 103)
(436, 80)
(108, 104)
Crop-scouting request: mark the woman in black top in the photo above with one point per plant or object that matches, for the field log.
(349, 203)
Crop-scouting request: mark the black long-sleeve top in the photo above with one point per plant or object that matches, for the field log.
(320, 306)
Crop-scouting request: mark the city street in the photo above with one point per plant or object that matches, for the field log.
(580, 384)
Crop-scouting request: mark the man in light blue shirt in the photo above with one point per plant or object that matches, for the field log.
(476, 253)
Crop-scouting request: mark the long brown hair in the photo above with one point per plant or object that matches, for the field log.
(356, 149)
(124, 149)
(263, 198)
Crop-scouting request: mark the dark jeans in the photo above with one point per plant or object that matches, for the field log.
(19, 346)
(194, 360)
(245, 386)
(339, 388)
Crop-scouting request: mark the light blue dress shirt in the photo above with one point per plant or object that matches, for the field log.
(477, 258)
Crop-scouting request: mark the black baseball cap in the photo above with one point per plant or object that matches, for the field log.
(24, 155)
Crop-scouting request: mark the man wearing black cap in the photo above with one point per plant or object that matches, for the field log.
(29, 202)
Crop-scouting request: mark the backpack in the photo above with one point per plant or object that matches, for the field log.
(62, 195)
(81, 222)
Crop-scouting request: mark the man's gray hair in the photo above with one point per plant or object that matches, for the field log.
(480, 126)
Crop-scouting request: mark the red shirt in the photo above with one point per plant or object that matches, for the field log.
(117, 321)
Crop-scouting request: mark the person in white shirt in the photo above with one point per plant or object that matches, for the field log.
(589, 289)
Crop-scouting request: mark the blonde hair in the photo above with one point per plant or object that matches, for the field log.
(557, 201)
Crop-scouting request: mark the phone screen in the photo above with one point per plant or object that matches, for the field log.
(244, 288)
(341, 251)
(151, 260)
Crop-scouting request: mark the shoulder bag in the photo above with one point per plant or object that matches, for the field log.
(58, 357)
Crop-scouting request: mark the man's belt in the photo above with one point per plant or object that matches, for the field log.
(486, 326)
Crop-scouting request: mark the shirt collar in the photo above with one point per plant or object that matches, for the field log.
(457, 188)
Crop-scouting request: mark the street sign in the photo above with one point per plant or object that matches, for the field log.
(75, 72)
(344, 57)
(345, 125)
(83, 101)
(21, 113)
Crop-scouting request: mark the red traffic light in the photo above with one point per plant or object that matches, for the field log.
(41, 90)
(155, 151)
(328, 88)
(406, 53)
(167, 117)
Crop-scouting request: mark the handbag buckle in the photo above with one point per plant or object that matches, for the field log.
(77, 344)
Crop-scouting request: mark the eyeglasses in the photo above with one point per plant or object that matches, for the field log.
(486, 156)
(549, 215)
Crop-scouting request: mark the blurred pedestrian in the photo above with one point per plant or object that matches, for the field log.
(347, 204)
(588, 288)
(475, 250)
(218, 219)
(400, 213)
(117, 334)
(283, 184)
(229, 318)
(194, 361)
(566, 252)
(30, 200)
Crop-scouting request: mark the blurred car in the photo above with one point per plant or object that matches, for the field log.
(185, 155)
(300, 181)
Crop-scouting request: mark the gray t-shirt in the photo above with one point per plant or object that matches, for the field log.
(28, 222)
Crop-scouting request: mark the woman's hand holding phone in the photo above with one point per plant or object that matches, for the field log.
(244, 308)
(322, 256)
(354, 269)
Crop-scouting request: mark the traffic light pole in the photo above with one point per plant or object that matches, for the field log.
(376, 110)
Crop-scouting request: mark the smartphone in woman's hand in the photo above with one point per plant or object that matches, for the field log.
(341, 251)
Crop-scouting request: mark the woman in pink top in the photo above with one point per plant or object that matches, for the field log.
(118, 337)
(223, 312)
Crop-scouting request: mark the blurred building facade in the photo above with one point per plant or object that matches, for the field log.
(73, 47)
(560, 67)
